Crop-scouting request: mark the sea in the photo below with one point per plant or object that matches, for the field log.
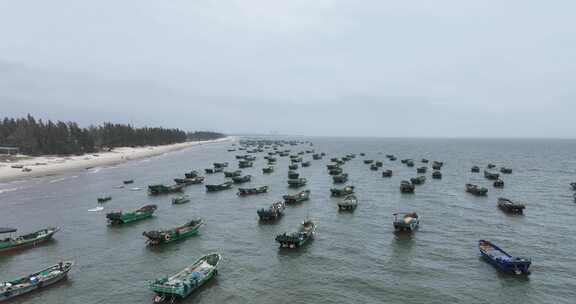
(354, 257)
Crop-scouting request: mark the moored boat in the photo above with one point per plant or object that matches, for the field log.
(305, 164)
(189, 180)
(406, 221)
(252, 191)
(293, 167)
(297, 239)
(387, 173)
(293, 174)
(297, 198)
(406, 187)
(437, 174)
(242, 179)
(38, 280)
(127, 182)
(245, 164)
(120, 217)
(219, 187)
(27, 240)
(336, 171)
(192, 174)
(104, 199)
(340, 178)
(349, 203)
(475, 169)
(336, 192)
(419, 180)
(231, 174)
(374, 167)
(157, 237)
(274, 212)
(183, 283)
(505, 170)
(421, 170)
(498, 183)
(437, 165)
(297, 182)
(268, 170)
(163, 189)
(502, 260)
(509, 206)
(491, 175)
(476, 190)
(181, 200)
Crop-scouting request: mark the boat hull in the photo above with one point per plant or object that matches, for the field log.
(15, 246)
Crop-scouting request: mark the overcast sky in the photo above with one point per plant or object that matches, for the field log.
(310, 67)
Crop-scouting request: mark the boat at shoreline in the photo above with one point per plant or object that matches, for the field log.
(502, 260)
(27, 240)
(185, 282)
(158, 237)
(297, 239)
(41, 279)
(117, 218)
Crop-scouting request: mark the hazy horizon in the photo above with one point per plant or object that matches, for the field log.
(442, 69)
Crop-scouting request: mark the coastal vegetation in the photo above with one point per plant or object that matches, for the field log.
(37, 137)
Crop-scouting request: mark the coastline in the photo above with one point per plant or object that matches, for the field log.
(54, 165)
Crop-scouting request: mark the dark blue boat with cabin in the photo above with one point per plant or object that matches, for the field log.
(502, 260)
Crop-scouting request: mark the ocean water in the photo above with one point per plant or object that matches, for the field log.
(354, 258)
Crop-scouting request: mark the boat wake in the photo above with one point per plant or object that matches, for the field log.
(9, 190)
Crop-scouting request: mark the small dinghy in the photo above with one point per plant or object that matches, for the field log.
(96, 209)
(502, 260)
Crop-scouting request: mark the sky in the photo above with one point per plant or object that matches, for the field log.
(376, 68)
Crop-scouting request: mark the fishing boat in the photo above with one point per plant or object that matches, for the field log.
(293, 167)
(332, 166)
(406, 187)
(476, 190)
(305, 164)
(219, 187)
(35, 281)
(242, 179)
(274, 212)
(498, 183)
(509, 206)
(368, 161)
(437, 174)
(437, 165)
(374, 167)
(297, 182)
(245, 164)
(209, 170)
(410, 163)
(340, 178)
(490, 175)
(406, 221)
(491, 166)
(220, 165)
(424, 160)
(342, 192)
(181, 200)
(387, 173)
(27, 240)
(183, 283)
(268, 170)
(379, 164)
(158, 237)
(297, 239)
(104, 199)
(163, 189)
(293, 174)
(421, 170)
(316, 157)
(231, 174)
(420, 180)
(120, 217)
(335, 171)
(475, 169)
(505, 170)
(252, 191)
(189, 180)
(126, 182)
(192, 174)
(297, 198)
(573, 185)
(349, 203)
(502, 260)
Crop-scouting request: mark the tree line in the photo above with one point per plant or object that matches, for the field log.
(36, 137)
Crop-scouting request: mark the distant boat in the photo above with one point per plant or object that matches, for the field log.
(163, 189)
(26, 240)
(502, 260)
(476, 190)
(130, 181)
(252, 191)
(509, 206)
(273, 213)
(219, 187)
(181, 200)
(406, 221)
(31, 282)
(297, 182)
(349, 203)
(104, 199)
(183, 283)
(342, 192)
(96, 209)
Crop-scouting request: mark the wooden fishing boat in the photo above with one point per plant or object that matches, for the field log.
(379, 164)
(219, 187)
(498, 183)
(220, 165)
(474, 189)
(305, 164)
(231, 174)
(573, 185)
(421, 170)
(189, 180)
(163, 189)
(406, 187)
(387, 173)
(129, 181)
(274, 212)
(192, 174)
(336, 171)
(297, 182)
(158, 237)
(340, 178)
(368, 161)
(406, 221)
(475, 169)
(502, 260)
(374, 167)
(410, 163)
(332, 166)
(349, 203)
(41, 279)
(104, 199)
(181, 200)
(245, 164)
(293, 167)
(505, 170)
(268, 170)
(342, 192)
(120, 217)
(293, 174)
(209, 171)
(419, 180)
(185, 282)
(297, 239)
(491, 176)
(491, 166)
(437, 174)
(316, 157)
(509, 206)
(424, 160)
(252, 191)
(297, 198)
(436, 165)
(27, 240)
(242, 179)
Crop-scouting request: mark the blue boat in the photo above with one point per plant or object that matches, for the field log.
(502, 260)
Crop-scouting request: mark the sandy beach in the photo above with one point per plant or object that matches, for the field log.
(53, 165)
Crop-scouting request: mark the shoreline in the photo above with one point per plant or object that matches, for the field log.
(55, 165)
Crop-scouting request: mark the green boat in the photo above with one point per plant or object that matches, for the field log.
(293, 174)
(163, 189)
(242, 179)
(245, 164)
(297, 198)
(128, 217)
(189, 180)
(342, 192)
(340, 178)
(183, 283)
(35, 281)
(297, 182)
(157, 237)
(27, 240)
(219, 187)
(268, 170)
(232, 173)
(181, 200)
(104, 199)
(297, 239)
